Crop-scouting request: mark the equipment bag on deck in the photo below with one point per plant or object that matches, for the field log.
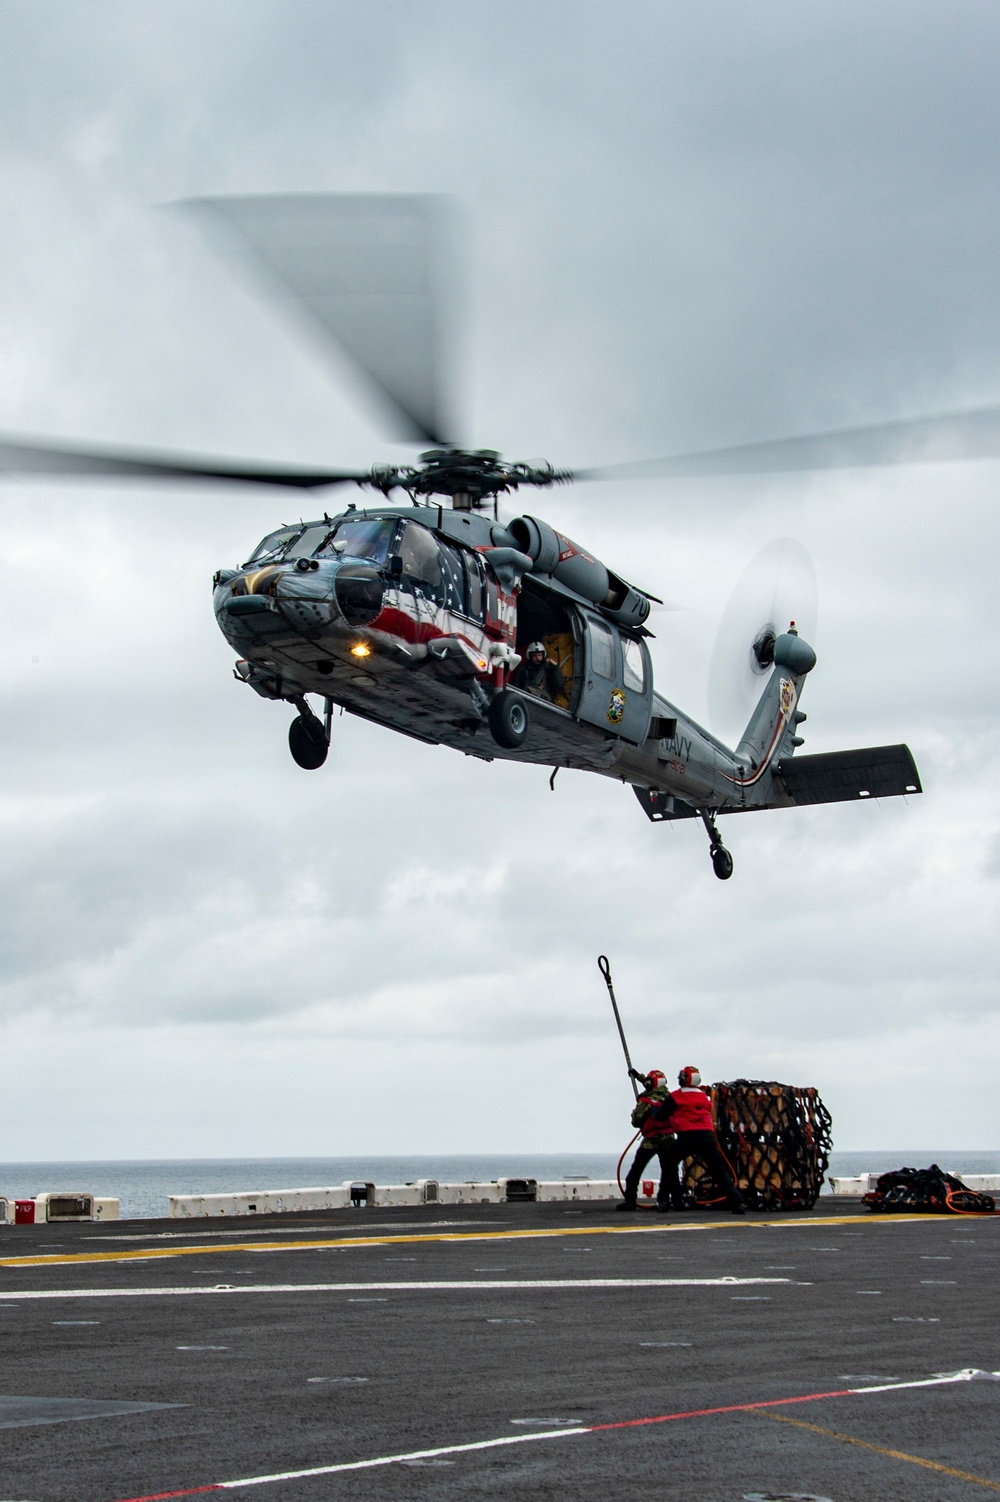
(928, 1190)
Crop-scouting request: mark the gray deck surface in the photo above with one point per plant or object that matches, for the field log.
(289, 1378)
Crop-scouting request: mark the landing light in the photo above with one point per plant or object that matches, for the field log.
(361, 649)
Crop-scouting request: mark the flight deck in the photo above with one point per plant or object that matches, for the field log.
(503, 1351)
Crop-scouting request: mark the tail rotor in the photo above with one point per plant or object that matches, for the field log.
(777, 587)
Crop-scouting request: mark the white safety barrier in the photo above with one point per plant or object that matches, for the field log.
(57, 1206)
(984, 1183)
(858, 1183)
(357, 1193)
(471, 1193)
(260, 1202)
(577, 1189)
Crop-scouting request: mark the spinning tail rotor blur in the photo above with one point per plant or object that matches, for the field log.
(777, 587)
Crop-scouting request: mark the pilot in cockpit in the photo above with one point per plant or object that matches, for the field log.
(539, 675)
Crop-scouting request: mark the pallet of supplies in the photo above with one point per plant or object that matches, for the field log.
(777, 1139)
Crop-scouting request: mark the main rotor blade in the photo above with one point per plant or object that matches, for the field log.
(17, 458)
(368, 270)
(946, 438)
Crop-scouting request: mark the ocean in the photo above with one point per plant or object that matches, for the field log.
(143, 1186)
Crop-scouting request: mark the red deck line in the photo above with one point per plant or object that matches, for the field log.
(704, 1413)
(190, 1491)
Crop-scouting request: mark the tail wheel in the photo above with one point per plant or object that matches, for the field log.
(722, 863)
(307, 743)
(508, 717)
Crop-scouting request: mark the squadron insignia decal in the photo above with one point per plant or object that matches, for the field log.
(787, 697)
(616, 709)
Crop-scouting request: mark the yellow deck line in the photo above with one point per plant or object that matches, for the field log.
(147, 1254)
(864, 1444)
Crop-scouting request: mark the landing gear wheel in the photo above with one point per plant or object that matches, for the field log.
(722, 861)
(307, 742)
(508, 717)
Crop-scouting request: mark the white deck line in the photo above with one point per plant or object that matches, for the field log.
(380, 1460)
(965, 1375)
(466, 1285)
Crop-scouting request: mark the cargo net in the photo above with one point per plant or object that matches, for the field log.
(929, 1190)
(777, 1141)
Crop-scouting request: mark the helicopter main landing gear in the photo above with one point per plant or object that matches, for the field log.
(309, 736)
(508, 719)
(722, 861)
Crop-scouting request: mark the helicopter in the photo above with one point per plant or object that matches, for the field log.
(419, 615)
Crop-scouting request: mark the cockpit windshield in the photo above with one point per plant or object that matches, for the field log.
(366, 537)
(274, 544)
(306, 545)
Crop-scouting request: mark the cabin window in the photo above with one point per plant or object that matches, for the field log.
(492, 596)
(423, 564)
(602, 650)
(474, 586)
(454, 578)
(635, 667)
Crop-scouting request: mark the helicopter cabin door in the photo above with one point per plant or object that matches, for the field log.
(617, 684)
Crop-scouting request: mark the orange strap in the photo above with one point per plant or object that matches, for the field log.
(621, 1160)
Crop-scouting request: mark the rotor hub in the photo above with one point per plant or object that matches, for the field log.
(470, 478)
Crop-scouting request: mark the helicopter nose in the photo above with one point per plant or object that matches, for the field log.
(241, 605)
(352, 589)
(249, 594)
(360, 589)
(260, 582)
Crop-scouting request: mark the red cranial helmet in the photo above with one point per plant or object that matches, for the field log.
(655, 1077)
(689, 1077)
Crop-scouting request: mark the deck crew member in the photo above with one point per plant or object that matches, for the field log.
(657, 1141)
(688, 1112)
(539, 675)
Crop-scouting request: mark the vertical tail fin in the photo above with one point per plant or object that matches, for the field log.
(772, 724)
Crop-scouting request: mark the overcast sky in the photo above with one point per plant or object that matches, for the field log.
(683, 226)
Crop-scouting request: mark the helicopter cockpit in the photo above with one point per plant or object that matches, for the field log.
(430, 568)
(363, 537)
(367, 537)
(273, 546)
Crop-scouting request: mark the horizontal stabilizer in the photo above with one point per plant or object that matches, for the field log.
(658, 806)
(840, 776)
(831, 777)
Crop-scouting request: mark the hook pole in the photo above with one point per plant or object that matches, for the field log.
(604, 966)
